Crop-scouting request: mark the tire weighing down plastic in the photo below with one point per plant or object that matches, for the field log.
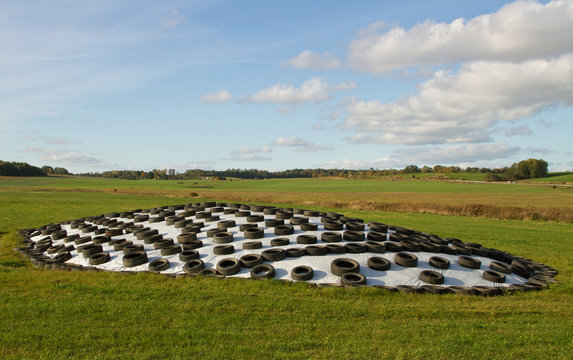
(264, 242)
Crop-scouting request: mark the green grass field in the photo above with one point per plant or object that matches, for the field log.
(56, 314)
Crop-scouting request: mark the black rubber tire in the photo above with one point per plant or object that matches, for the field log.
(308, 227)
(487, 290)
(409, 289)
(331, 236)
(302, 273)
(431, 248)
(336, 248)
(223, 249)
(194, 266)
(209, 272)
(152, 239)
(134, 258)
(469, 262)
(212, 232)
(463, 290)
(284, 230)
(298, 220)
(222, 237)
(375, 247)
(254, 233)
(355, 226)
(274, 223)
(192, 245)
(306, 239)
(99, 258)
(275, 254)
(186, 238)
(376, 236)
(333, 225)
(295, 252)
(355, 248)
(280, 242)
(406, 259)
(431, 277)
(243, 227)
(158, 245)
(62, 257)
(132, 248)
(439, 262)
(379, 263)
(344, 265)
(352, 279)
(171, 250)
(500, 267)
(158, 265)
(225, 224)
(252, 245)
(438, 290)
(263, 271)
(228, 266)
(82, 240)
(493, 276)
(255, 218)
(91, 249)
(351, 235)
(412, 246)
(315, 250)
(250, 260)
(98, 240)
(187, 255)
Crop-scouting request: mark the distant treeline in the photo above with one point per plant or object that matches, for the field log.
(526, 169)
(12, 168)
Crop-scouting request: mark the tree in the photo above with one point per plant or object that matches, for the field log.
(411, 169)
(60, 171)
(47, 169)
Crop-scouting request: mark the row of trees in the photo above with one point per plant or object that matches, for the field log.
(12, 168)
(525, 169)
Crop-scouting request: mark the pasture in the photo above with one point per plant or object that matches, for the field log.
(54, 314)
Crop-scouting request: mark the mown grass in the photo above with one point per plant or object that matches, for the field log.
(55, 314)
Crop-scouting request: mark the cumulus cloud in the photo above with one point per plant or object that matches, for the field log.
(250, 154)
(221, 96)
(433, 155)
(463, 107)
(173, 19)
(300, 145)
(518, 131)
(66, 157)
(312, 90)
(469, 153)
(311, 60)
(60, 141)
(516, 32)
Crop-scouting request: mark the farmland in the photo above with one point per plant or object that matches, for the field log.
(54, 314)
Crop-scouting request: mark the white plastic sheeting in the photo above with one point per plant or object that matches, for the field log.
(396, 275)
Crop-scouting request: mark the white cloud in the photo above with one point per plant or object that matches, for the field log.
(67, 157)
(449, 155)
(518, 31)
(250, 154)
(60, 141)
(469, 153)
(312, 90)
(221, 96)
(253, 150)
(311, 60)
(173, 19)
(290, 141)
(464, 107)
(518, 131)
(301, 145)
(314, 148)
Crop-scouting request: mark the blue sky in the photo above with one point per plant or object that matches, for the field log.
(102, 85)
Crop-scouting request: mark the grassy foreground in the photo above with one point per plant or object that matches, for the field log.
(54, 314)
